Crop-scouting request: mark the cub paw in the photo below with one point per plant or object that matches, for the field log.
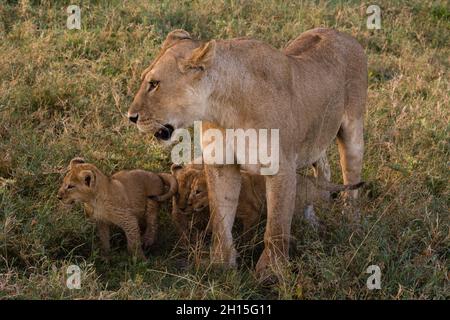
(148, 242)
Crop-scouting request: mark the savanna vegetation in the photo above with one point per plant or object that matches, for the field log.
(64, 93)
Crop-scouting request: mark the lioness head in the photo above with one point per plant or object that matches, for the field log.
(174, 89)
(198, 197)
(79, 182)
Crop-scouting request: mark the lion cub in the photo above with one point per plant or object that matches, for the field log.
(192, 198)
(182, 212)
(127, 199)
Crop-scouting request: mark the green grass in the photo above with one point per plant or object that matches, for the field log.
(64, 94)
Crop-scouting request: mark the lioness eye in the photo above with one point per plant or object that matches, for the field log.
(152, 85)
(70, 186)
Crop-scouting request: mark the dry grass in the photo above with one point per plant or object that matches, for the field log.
(63, 93)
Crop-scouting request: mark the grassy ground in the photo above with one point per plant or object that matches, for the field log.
(64, 93)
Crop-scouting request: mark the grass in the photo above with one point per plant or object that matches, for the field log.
(64, 93)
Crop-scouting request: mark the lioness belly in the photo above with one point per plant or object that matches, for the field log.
(314, 139)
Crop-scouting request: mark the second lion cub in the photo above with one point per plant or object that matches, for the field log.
(127, 199)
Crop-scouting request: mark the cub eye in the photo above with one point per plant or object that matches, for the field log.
(70, 186)
(152, 84)
(198, 191)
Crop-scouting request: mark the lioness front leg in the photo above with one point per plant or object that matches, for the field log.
(224, 184)
(280, 192)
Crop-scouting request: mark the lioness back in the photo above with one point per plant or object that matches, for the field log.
(321, 45)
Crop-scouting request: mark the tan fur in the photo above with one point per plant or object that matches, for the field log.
(313, 91)
(126, 199)
(193, 199)
(186, 223)
(251, 204)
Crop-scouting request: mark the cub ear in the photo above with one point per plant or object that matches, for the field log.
(201, 58)
(88, 177)
(75, 161)
(175, 167)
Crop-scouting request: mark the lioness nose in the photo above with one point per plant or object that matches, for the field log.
(133, 117)
(59, 197)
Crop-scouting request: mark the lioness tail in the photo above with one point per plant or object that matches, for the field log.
(333, 187)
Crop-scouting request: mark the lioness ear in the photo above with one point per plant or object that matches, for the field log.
(171, 39)
(201, 58)
(88, 177)
(174, 36)
(75, 161)
(175, 167)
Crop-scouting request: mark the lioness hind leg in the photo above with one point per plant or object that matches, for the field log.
(151, 219)
(322, 168)
(351, 148)
(322, 173)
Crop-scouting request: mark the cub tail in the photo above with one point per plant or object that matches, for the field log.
(170, 181)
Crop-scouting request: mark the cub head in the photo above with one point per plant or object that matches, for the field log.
(185, 176)
(198, 197)
(174, 90)
(79, 182)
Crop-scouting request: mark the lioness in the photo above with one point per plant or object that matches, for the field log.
(127, 199)
(192, 201)
(313, 91)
